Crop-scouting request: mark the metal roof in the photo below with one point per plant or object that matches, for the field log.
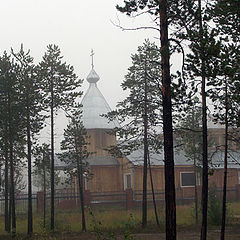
(216, 159)
(92, 161)
(94, 105)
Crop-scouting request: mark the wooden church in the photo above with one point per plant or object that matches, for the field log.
(111, 174)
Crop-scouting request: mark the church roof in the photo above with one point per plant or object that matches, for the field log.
(94, 105)
(91, 161)
(216, 158)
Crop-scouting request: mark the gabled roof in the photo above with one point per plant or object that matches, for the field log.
(91, 161)
(94, 105)
(216, 159)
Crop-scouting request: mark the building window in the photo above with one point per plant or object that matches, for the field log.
(187, 179)
(127, 181)
(86, 183)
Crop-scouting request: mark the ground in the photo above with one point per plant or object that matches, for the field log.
(231, 234)
(117, 224)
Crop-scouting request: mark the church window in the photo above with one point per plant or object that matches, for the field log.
(127, 181)
(187, 179)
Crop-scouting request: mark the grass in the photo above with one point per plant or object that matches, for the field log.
(111, 220)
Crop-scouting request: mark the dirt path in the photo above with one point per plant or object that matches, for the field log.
(190, 235)
(231, 234)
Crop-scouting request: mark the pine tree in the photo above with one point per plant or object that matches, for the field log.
(42, 172)
(140, 111)
(60, 85)
(75, 153)
(161, 9)
(31, 98)
(225, 97)
(192, 27)
(189, 133)
(11, 131)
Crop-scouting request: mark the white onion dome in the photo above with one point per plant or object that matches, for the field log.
(92, 77)
(95, 105)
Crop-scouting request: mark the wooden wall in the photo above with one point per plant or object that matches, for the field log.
(158, 177)
(99, 140)
(217, 178)
(106, 179)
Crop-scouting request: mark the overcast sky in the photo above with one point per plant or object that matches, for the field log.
(76, 27)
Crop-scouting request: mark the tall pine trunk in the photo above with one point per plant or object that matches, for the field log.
(145, 162)
(6, 193)
(204, 131)
(29, 149)
(225, 166)
(195, 192)
(80, 186)
(52, 157)
(153, 192)
(44, 192)
(10, 208)
(170, 200)
(11, 161)
(195, 183)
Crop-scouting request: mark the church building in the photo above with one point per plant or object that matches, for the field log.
(112, 174)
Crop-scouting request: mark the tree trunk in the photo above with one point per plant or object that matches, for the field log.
(80, 185)
(204, 132)
(225, 167)
(144, 199)
(52, 157)
(153, 192)
(6, 217)
(170, 200)
(44, 192)
(195, 192)
(12, 192)
(10, 209)
(195, 182)
(11, 161)
(29, 149)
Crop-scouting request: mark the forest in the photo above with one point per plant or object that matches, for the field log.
(204, 35)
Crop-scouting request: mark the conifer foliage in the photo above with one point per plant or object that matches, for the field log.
(59, 84)
(75, 153)
(11, 135)
(161, 9)
(139, 113)
(33, 106)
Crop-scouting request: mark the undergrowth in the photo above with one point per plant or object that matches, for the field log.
(108, 224)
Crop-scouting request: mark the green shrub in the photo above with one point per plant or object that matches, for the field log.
(214, 207)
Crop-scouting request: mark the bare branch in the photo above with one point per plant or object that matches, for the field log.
(133, 29)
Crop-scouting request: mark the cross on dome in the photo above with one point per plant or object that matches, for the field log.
(92, 76)
(92, 54)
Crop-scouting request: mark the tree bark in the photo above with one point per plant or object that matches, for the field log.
(195, 183)
(145, 120)
(52, 157)
(167, 126)
(6, 217)
(44, 192)
(204, 131)
(80, 185)
(153, 192)
(225, 166)
(12, 191)
(195, 192)
(10, 209)
(29, 149)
